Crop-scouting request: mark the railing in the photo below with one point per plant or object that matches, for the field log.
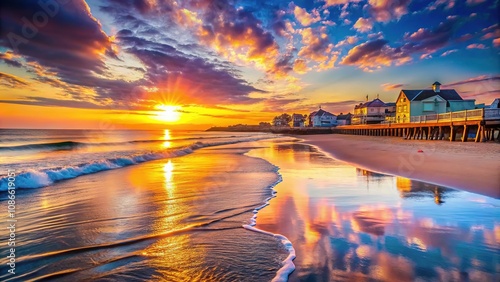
(466, 115)
(490, 114)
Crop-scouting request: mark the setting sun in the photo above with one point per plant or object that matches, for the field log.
(168, 113)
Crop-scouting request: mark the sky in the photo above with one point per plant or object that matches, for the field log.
(153, 64)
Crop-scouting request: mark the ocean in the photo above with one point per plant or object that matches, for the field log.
(215, 206)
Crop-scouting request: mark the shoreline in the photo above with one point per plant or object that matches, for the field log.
(471, 167)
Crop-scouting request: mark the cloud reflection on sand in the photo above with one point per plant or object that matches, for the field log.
(346, 223)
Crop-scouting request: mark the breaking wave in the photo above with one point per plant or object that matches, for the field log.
(46, 177)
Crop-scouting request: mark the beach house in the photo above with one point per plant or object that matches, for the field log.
(298, 120)
(429, 101)
(344, 119)
(322, 118)
(372, 112)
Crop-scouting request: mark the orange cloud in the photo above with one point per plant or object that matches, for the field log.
(391, 86)
(330, 3)
(300, 66)
(387, 10)
(476, 46)
(363, 25)
(496, 42)
(373, 55)
(12, 80)
(304, 17)
(316, 44)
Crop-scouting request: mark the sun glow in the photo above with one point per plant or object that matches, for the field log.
(168, 113)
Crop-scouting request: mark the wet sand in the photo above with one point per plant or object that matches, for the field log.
(349, 224)
(474, 167)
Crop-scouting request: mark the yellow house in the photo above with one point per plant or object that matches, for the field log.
(429, 101)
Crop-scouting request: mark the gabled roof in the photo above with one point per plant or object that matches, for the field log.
(320, 113)
(419, 95)
(375, 103)
(410, 94)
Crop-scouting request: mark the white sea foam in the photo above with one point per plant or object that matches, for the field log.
(46, 177)
(287, 266)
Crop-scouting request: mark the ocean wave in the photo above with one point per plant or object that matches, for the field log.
(287, 266)
(42, 178)
(70, 145)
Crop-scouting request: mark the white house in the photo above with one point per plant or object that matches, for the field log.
(372, 112)
(322, 118)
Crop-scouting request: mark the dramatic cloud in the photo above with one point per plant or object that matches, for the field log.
(363, 25)
(492, 32)
(69, 42)
(205, 52)
(428, 41)
(387, 10)
(304, 17)
(349, 40)
(143, 6)
(78, 61)
(375, 54)
(186, 78)
(9, 59)
(317, 47)
(391, 86)
(48, 102)
(11, 80)
(330, 3)
(300, 66)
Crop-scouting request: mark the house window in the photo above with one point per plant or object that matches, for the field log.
(399, 109)
(404, 108)
(428, 107)
(404, 99)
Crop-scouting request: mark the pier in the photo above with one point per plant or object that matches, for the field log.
(484, 124)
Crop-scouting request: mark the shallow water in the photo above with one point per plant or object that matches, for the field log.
(181, 218)
(350, 224)
(176, 219)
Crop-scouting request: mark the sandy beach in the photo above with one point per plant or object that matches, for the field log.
(473, 167)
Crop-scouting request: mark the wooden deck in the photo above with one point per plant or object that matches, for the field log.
(483, 123)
